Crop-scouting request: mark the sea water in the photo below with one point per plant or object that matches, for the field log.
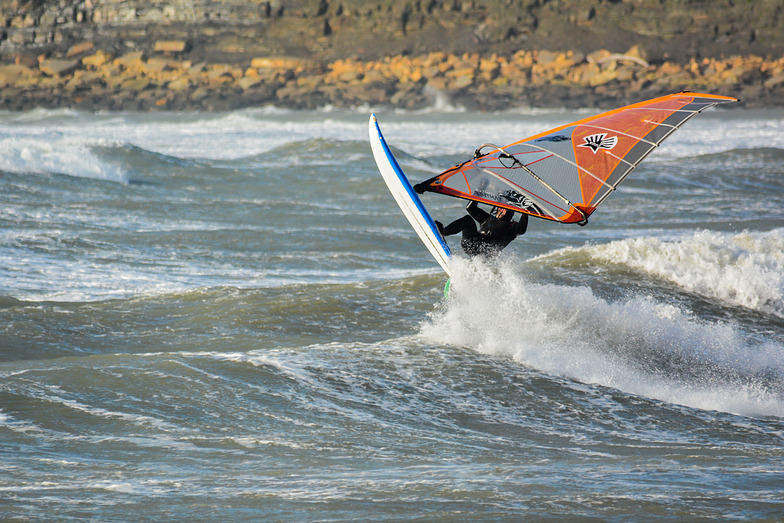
(214, 317)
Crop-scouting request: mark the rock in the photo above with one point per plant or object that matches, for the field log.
(483, 81)
(12, 73)
(126, 14)
(436, 84)
(249, 82)
(83, 80)
(774, 81)
(350, 76)
(179, 84)
(197, 69)
(135, 85)
(170, 46)
(279, 63)
(96, 60)
(57, 67)
(309, 82)
(221, 74)
(639, 53)
(199, 94)
(158, 67)
(462, 81)
(598, 56)
(595, 76)
(546, 57)
(80, 48)
(131, 60)
(374, 76)
(288, 92)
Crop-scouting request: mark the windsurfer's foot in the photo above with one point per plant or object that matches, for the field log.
(440, 227)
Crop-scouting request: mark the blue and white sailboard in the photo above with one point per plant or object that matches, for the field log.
(407, 199)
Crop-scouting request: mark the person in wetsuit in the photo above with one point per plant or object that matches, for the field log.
(496, 230)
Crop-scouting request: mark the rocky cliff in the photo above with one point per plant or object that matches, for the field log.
(487, 53)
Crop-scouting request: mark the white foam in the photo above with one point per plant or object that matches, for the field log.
(57, 141)
(637, 345)
(137, 419)
(745, 269)
(48, 152)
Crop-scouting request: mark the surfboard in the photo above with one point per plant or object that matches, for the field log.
(407, 199)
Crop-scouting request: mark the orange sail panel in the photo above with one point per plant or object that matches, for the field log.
(565, 173)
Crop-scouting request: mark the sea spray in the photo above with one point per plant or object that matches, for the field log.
(636, 344)
(745, 269)
(54, 153)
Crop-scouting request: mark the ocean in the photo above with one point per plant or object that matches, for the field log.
(225, 317)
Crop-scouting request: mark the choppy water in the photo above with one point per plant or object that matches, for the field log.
(225, 317)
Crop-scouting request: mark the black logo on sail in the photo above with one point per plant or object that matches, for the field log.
(599, 141)
(520, 200)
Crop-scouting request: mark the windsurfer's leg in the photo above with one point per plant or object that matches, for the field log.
(466, 223)
(471, 241)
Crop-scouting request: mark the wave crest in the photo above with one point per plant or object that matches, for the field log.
(639, 345)
(745, 269)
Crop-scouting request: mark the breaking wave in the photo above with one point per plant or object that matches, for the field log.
(55, 153)
(744, 269)
(638, 344)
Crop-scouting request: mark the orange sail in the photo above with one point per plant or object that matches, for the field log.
(565, 173)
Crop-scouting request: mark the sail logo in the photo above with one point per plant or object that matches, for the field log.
(599, 141)
(520, 200)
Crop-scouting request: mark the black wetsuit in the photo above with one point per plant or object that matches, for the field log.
(493, 234)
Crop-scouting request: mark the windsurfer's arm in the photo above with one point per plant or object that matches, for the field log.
(476, 213)
(522, 225)
(424, 186)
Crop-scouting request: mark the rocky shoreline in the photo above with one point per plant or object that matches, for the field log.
(482, 55)
(95, 80)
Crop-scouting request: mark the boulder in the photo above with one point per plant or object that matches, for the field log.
(249, 82)
(179, 84)
(774, 81)
(135, 85)
(82, 80)
(131, 61)
(278, 63)
(12, 74)
(58, 67)
(96, 60)
(170, 46)
(79, 48)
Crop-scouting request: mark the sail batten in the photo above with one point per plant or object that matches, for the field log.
(640, 138)
(580, 163)
(589, 173)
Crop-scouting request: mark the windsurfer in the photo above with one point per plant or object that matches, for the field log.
(496, 229)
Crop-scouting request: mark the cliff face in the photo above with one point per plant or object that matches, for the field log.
(325, 30)
(485, 54)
